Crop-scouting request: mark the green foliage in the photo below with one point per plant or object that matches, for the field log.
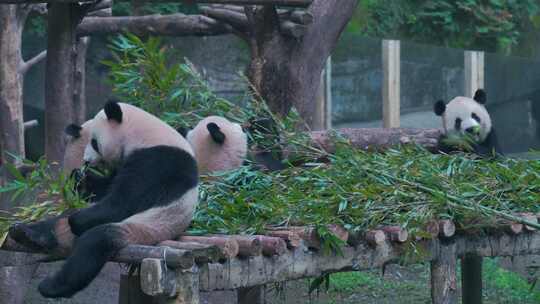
(494, 25)
(141, 75)
(49, 193)
(508, 285)
(361, 190)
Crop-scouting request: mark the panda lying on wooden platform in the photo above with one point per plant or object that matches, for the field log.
(463, 115)
(151, 197)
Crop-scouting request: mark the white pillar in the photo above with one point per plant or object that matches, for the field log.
(391, 82)
(474, 72)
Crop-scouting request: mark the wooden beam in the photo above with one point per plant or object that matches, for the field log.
(300, 3)
(391, 51)
(302, 263)
(443, 275)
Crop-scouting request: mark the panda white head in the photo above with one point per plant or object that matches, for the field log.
(120, 128)
(465, 115)
(77, 137)
(219, 144)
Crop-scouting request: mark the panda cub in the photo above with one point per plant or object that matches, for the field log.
(463, 115)
(151, 198)
(218, 143)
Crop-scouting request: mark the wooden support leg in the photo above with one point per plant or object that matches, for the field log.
(471, 279)
(188, 287)
(131, 293)
(251, 295)
(443, 276)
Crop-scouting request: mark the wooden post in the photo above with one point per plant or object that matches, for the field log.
(474, 72)
(61, 55)
(131, 293)
(443, 275)
(391, 83)
(251, 295)
(471, 279)
(188, 286)
(323, 115)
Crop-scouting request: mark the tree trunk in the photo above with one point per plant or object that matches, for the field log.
(11, 82)
(60, 70)
(79, 86)
(286, 71)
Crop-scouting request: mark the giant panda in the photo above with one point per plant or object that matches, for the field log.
(151, 198)
(218, 143)
(464, 115)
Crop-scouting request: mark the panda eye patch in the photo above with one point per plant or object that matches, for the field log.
(457, 124)
(475, 117)
(95, 145)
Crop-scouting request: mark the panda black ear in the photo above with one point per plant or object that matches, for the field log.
(215, 133)
(113, 111)
(439, 107)
(480, 96)
(73, 130)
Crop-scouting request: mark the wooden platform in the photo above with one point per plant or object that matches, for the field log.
(176, 271)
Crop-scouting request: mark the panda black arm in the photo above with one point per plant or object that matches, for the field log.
(490, 146)
(92, 184)
(150, 177)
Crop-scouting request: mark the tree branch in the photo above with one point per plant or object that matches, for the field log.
(236, 19)
(169, 25)
(25, 66)
(301, 3)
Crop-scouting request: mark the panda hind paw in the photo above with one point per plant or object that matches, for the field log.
(34, 239)
(51, 288)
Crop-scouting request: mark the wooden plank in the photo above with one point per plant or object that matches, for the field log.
(300, 3)
(391, 83)
(474, 72)
(443, 275)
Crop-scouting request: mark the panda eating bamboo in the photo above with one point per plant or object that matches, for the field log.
(151, 198)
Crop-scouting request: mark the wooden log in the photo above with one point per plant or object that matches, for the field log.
(292, 238)
(299, 3)
(443, 275)
(202, 253)
(229, 246)
(302, 17)
(447, 228)
(375, 237)
(187, 291)
(175, 258)
(378, 138)
(432, 228)
(312, 239)
(396, 233)
(340, 232)
(272, 245)
(248, 245)
(531, 218)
